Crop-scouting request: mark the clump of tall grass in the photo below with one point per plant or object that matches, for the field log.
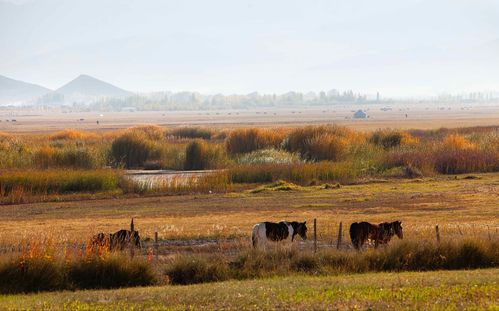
(318, 143)
(391, 138)
(69, 157)
(152, 132)
(248, 140)
(112, 271)
(193, 132)
(191, 269)
(216, 182)
(269, 156)
(200, 155)
(132, 149)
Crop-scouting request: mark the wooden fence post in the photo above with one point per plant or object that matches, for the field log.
(315, 235)
(338, 244)
(156, 245)
(131, 240)
(438, 233)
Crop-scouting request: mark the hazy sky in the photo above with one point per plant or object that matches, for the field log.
(399, 47)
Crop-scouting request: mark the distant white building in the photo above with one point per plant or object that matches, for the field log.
(359, 114)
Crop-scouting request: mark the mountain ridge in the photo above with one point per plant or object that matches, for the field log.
(17, 91)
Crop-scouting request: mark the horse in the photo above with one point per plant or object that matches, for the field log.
(360, 232)
(99, 242)
(275, 232)
(120, 239)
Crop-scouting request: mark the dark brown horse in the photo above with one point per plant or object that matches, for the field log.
(99, 242)
(123, 238)
(361, 232)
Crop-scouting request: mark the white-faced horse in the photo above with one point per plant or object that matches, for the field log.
(275, 232)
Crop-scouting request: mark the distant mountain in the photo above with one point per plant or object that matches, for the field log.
(15, 92)
(85, 86)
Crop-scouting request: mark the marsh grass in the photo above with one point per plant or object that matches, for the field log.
(402, 256)
(15, 185)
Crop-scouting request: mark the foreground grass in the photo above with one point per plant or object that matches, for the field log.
(450, 290)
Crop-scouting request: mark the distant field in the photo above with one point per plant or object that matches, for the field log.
(424, 116)
(475, 289)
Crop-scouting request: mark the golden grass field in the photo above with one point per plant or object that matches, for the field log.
(461, 207)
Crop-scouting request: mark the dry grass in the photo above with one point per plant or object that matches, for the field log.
(71, 134)
(19, 186)
(462, 208)
(251, 139)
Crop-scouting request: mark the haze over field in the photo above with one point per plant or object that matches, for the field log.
(399, 48)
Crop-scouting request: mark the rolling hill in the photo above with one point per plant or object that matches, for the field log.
(85, 86)
(15, 91)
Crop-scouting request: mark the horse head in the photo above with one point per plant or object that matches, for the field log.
(397, 228)
(301, 230)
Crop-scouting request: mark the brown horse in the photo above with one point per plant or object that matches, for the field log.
(360, 232)
(123, 238)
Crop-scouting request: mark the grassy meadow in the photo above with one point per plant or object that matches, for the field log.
(438, 290)
(57, 190)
